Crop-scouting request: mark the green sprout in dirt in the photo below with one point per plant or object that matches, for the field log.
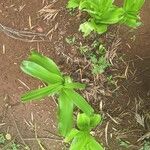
(81, 137)
(2, 138)
(99, 61)
(96, 55)
(111, 80)
(46, 70)
(104, 13)
(146, 145)
(11, 145)
(71, 40)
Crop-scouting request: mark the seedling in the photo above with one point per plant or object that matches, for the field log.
(84, 49)
(111, 80)
(96, 55)
(124, 143)
(81, 137)
(99, 65)
(2, 138)
(8, 146)
(46, 70)
(104, 13)
(70, 40)
(146, 145)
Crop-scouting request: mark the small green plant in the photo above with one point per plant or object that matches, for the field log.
(15, 146)
(99, 64)
(124, 143)
(96, 54)
(146, 145)
(111, 80)
(104, 13)
(2, 138)
(81, 137)
(83, 49)
(46, 70)
(70, 40)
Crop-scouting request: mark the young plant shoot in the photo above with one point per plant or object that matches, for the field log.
(46, 70)
(81, 138)
(103, 13)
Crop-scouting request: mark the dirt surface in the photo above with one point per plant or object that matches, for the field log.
(119, 106)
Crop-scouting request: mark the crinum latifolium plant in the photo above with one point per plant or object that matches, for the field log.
(103, 13)
(46, 70)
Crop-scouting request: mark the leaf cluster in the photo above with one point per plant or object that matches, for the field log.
(46, 70)
(104, 13)
(81, 137)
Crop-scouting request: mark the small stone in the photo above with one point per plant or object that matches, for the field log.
(40, 29)
(8, 137)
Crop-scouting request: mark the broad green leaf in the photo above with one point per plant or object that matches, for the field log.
(88, 5)
(45, 62)
(86, 28)
(80, 141)
(131, 15)
(94, 145)
(83, 122)
(113, 16)
(65, 114)
(132, 23)
(72, 4)
(37, 71)
(74, 85)
(95, 120)
(133, 6)
(101, 28)
(79, 101)
(42, 92)
(71, 135)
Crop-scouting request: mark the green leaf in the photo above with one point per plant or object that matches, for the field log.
(94, 145)
(71, 135)
(79, 101)
(100, 28)
(131, 15)
(74, 85)
(146, 145)
(80, 141)
(123, 143)
(86, 28)
(45, 62)
(40, 93)
(72, 4)
(95, 120)
(132, 23)
(35, 70)
(83, 122)
(2, 138)
(65, 114)
(113, 16)
(133, 6)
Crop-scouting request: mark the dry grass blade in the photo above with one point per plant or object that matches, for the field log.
(145, 136)
(25, 36)
(106, 133)
(140, 119)
(112, 53)
(48, 13)
(112, 118)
